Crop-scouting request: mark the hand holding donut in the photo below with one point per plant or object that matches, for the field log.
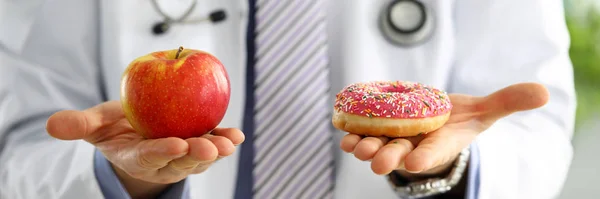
(430, 135)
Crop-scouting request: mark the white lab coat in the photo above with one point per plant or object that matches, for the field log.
(69, 54)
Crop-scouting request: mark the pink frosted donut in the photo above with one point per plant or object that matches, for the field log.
(390, 109)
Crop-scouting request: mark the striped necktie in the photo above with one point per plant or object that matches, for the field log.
(292, 137)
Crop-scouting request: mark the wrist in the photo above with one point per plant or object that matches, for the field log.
(437, 181)
(439, 171)
(139, 188)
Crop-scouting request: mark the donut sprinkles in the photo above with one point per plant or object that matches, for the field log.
(390, 108)
(394, 99)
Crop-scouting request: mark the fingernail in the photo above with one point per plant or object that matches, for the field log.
(414, 171)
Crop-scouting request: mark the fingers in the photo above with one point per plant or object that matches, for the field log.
(385, 156)
(157, 153)
(349, 141)
(224, 145)
(514, 98)
(235, 135)
(367, 147)
(201, 150)
(437, 151)
(72, 125)
(225, 148)
(67, 125)
(390, 157)
(423, 157)
(168, 160)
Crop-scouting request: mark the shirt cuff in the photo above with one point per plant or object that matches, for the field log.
(473, 181)
(112, 188)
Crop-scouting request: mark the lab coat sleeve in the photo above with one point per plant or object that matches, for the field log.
(48, 64)
(502, 42)
(52, 66)
(472, 191)
(112, 188)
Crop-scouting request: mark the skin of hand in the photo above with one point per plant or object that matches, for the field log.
(433, 154)
(145, 166)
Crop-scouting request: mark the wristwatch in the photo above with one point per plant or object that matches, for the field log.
(432, 186)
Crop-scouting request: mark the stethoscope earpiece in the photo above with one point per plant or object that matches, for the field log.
(162, 27)
(218, 15)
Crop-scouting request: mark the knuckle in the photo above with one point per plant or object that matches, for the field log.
(143, 162)
(218, 138)
(361, 156)
(180, 166)
(372, 139)
(365, 145)
(404, 143)
(124, 124)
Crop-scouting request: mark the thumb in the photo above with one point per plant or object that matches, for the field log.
(73, 125)
(514, 98)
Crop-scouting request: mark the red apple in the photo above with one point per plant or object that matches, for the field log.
(175, 93)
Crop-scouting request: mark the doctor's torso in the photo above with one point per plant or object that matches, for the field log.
(358, 52)
(70, 54)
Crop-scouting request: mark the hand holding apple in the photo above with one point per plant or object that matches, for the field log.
(180, 93)
(144, 166)
(173, 97)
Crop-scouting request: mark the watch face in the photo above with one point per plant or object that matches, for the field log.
(432, 186)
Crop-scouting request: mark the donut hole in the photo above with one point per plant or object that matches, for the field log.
(393, 89)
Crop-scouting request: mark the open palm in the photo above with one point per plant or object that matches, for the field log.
(431, 153)
(164, 160)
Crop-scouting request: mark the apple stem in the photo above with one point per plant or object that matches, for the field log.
(179, 52)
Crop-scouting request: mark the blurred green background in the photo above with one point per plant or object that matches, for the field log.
(583, 21)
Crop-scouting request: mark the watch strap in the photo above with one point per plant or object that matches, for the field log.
(432, 186)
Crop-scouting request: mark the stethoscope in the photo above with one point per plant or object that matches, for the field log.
(163, 26)
(406, 23)
(402, 22)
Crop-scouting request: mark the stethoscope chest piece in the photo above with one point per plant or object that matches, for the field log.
(406, 22)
